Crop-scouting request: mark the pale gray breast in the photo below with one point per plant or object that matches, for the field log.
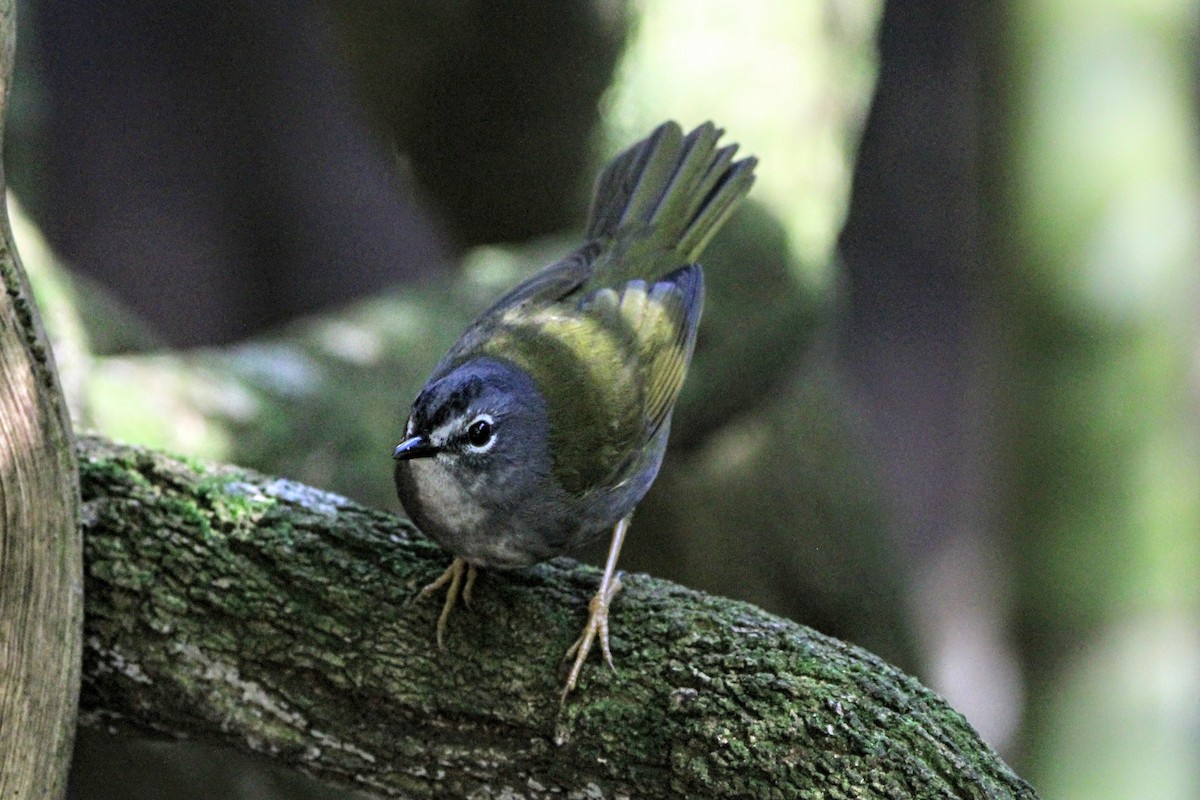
(454, 512)
(444, 501)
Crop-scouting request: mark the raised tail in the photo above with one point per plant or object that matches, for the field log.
(659, 203)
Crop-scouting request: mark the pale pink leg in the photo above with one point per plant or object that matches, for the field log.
(597, 624)
(453, 576)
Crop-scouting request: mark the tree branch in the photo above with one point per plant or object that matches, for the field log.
(273, 617)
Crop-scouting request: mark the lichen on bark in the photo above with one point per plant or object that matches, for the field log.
(276, 618)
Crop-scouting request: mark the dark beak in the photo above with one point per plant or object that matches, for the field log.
(416, 447)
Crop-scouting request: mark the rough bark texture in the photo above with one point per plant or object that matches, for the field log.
(276, 618)
(40, 568)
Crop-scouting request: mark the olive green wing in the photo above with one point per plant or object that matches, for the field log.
(655, 208)
(656, 326)
(541, 289)
(609, 367)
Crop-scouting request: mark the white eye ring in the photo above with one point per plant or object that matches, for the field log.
(481, 435)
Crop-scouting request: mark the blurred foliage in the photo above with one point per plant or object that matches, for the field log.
(758, 323)
(1100, 186)
(792, 83)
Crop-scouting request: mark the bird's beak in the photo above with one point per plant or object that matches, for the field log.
(414, 447)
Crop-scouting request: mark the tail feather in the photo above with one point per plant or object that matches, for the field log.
(733, 181)
(655, 174)
(685, 194)
(718, 165)
(670, 193)
(618, 182)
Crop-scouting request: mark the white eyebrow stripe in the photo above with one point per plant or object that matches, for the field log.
(441, 433)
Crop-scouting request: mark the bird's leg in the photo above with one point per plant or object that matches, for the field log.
(469, 585)
(597, 624)
(453, 576)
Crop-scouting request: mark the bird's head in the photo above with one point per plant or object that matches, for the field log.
(476, 435)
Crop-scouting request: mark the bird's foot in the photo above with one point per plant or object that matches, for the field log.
(597, 626)
(453, 576)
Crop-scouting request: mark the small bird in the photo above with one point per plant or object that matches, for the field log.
(546, 423)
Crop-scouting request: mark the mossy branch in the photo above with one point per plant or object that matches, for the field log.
(273, 617)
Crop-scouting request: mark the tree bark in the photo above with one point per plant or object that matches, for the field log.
(40, 547)
(278, 619)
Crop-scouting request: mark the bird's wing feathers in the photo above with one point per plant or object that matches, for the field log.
(657, 328)
(610, 367)
(548, 284)
(656, 206)
(542, 290)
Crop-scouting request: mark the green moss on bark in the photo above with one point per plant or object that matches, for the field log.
(277, 618)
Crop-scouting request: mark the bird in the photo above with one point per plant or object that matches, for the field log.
(546, 423)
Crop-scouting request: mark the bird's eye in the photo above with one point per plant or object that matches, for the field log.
(480, 432)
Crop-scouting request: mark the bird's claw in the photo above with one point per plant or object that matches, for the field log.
(597, 627)
(453, 576)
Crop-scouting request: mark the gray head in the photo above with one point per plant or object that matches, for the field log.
(476, 443)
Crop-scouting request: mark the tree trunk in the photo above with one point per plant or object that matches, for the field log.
(279, 619)
(40, 568)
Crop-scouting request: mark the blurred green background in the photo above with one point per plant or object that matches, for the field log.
(945, 399)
